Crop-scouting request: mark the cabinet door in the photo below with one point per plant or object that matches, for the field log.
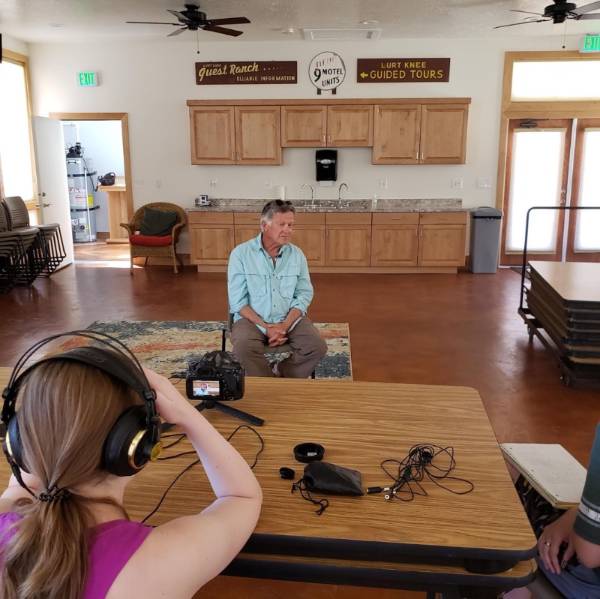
(211, 244)
(257, 130)
(394, 245)
(245, 233)
(348, 245)
(443, 133)
(442, 245)
(311, 240)
(303, 126)
(212, 134)
(349, 126)
(396, 132)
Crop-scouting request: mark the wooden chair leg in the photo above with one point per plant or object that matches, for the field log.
(131, 263)
(175, 262)
(146, 261)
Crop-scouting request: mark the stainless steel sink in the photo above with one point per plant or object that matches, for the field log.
(332, 205)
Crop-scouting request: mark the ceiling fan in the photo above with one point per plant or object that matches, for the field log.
(558, 13)
(192, 19)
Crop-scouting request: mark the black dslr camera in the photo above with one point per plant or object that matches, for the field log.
(217, 376)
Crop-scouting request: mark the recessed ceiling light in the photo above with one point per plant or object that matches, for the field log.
(369, 22)
(289, 30)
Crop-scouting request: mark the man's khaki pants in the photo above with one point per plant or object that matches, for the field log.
(249, 345)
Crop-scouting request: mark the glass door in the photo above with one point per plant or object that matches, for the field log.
(583, 242)
(536, 175)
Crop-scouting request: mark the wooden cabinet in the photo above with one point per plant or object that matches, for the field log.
(396, 134)
(395, 239)
(257, 134)
(326, 126)
(235, 134)
(442, 238)
(349, 126)
(309, 236)
(212, 238)
(212, 132)
(348, 239)
(443, 133)
(400, 131)
(246, 226)
(420, 134)
(303, 126)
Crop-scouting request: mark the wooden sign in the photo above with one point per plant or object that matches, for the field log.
(402, 70)
(327, 72)
(246, 72)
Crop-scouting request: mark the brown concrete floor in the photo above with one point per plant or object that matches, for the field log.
(433, 329)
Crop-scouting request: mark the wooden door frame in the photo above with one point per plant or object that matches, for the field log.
(108, 116)
(572, 255)
(516, 259)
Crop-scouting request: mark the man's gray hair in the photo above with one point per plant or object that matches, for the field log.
(273, 207)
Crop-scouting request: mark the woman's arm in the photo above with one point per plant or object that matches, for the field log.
(179, 557)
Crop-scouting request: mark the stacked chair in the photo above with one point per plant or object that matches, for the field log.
(26, 252)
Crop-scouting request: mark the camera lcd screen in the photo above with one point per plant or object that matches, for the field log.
(205, 388)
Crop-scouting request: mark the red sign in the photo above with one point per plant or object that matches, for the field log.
(246, 72)
(402, 70)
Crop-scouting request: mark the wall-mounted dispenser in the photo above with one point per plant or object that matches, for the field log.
(326, 166)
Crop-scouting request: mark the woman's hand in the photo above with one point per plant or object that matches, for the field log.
(553, 536)
(171, 405)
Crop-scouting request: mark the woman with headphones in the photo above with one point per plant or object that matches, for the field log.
(86, 421)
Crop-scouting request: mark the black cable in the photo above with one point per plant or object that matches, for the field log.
(424, 461)
(192, 464)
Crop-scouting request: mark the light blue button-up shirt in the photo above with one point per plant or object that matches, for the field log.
(271, 290)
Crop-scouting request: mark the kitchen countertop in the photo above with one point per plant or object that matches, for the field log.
(379, 205)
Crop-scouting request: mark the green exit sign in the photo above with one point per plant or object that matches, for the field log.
(87, 79)
(590, 43)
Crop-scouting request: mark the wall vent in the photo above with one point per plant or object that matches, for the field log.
(338, 34)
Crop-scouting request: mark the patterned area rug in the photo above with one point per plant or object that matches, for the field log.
(167, 345)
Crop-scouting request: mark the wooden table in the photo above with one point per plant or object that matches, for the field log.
(117, 209)
(577, 282)
(438, 542)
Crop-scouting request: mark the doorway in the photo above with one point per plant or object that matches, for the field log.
(98, 144)
(550, 162)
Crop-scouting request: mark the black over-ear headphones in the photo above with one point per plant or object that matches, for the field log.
(134, 438)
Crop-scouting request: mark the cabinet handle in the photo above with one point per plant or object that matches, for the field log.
(324, 140)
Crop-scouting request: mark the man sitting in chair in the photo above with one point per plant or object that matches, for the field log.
(269, 294)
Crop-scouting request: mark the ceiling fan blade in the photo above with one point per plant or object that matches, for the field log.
(154, 23)
(522, 23)
(588, 17)
(230, 21)
(179, 16)
(526, 12)
(177, 31)
(216, 29)
(587, 8)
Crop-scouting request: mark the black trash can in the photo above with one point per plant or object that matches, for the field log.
(485, 239)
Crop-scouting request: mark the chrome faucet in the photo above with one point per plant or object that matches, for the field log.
(340, 190)
(312, 190)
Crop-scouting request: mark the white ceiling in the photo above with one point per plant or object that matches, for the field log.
(85, 20)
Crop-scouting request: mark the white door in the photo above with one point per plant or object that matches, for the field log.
(53, 191)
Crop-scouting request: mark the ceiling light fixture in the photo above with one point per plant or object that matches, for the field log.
(369, 22)
(288, 30)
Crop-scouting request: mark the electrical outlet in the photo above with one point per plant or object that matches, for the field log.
(158, 183)
(213, 182)
(456, 183)
(484, 183)
(268, 184)
(383, 183)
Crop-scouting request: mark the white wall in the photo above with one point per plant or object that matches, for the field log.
(152, 81)
(11, 43)
(102, 143)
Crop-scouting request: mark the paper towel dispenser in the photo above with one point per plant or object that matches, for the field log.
(326, 161)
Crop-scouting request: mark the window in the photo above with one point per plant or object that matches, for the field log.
(16, 162)
(556, 80)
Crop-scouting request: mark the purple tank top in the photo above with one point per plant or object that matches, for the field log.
(111, 545)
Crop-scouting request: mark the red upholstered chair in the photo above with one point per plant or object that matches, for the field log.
(149, 246)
